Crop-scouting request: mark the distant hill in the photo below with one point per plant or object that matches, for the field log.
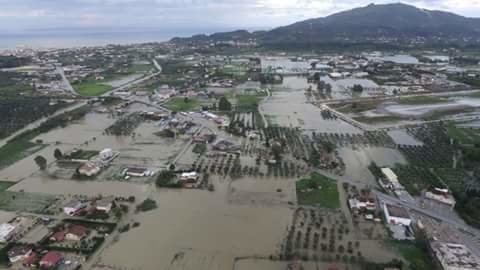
(372, 22)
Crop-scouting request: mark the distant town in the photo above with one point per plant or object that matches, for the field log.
(222, 155)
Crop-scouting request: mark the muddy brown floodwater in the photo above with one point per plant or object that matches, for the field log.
(288, 107)
(194, 229)
(357, 162)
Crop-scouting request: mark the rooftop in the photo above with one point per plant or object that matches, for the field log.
(397, 211)
(455, 255)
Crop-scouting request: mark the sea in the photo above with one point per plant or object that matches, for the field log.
(76, 38)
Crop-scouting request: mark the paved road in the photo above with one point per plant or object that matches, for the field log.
(470, 235)
(155, 63)
(129, 84)
(346, 118)
(68, 87)
(260, 109)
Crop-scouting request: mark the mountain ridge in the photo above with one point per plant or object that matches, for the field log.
(371, 22)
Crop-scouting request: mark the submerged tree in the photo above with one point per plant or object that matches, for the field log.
(224, 104)
(57, 154)
(41, 162)
(357, 88)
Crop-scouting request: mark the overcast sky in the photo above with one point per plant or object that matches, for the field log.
(18, 15)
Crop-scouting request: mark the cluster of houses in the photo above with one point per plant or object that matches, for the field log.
(189, 179)
(137, 172)
(390, 182)
(27, 255)
(225, 146)
(94, 166)
(220, 121)
(71, 233)
(77, 207)
(441, 195)
(363, 204)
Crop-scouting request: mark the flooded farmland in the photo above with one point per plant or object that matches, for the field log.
(358, 160)
(237, 222)
(288, 107)
(198, 230)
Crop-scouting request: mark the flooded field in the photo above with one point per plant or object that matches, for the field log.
(402, 137)
(288, 107)
(342, 89)
(358, 160)
(424, 109)
(284, 65)
(398, 59)
(262, 192)
(198, 230)
(263, 264)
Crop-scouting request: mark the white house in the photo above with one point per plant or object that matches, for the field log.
(73, 207)
(106, 154)
(391, 178)
(89, 169)
(18, 253)
(189, 177)
(6, 232)
(396, 215)
(104, 204)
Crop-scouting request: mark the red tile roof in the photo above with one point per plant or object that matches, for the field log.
(52, 258)
(58, 236)
(77, 230)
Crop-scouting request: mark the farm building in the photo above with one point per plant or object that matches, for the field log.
(137, 172)
(51, 260)
(106, 154)
(441, 195)
(189, 177)
(76, 233)
(391, 180)
(396, 215)
(6, 232)
(73, 207)
(18, 253)
(104, 204)
(89, 169)
(455, 256)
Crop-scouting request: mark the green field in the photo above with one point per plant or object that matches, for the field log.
(235, 70)
(91, 88)
(84, 154)
(420, 100)
(22, 146)
(416, 179)
(436, 115)
(318, 190)
(17, 150)
(178, 104)
(248, 102)
(474, 95)
(413, 253)
(26, 202)
(4, 185)
(465, 136)
(357, 107)
(377, 120)
(139, 68)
